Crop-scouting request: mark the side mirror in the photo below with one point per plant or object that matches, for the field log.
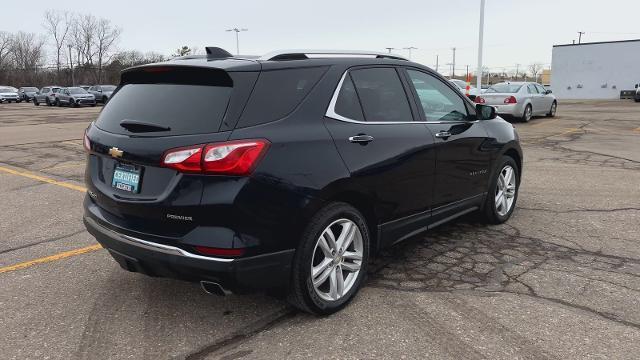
(485, 112)
(549, 91)
(636, 86)
(100, 90)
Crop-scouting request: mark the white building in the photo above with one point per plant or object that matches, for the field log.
(598, 70)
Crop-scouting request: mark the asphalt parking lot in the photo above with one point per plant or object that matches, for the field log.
(561, 279)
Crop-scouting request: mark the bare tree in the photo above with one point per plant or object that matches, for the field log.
(57, 25)
(107, 36)
(6, 42)
(535, 69)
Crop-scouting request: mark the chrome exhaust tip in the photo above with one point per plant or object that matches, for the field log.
(214, 288)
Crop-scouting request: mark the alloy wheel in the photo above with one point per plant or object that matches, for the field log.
(554, 108)
(527, 113)
(337, 259)
(505, 190)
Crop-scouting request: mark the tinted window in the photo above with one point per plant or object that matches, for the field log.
(541, 89)
(439, 101)
(504, 88)
(77, 90)
(382, 95)
(277, 93)
(347, 104)
(532, 89)
(186, 109)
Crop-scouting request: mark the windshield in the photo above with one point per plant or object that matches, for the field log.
(5, 90)
(77, 90)
(504, 88)
(55, 90)
(108, 87)
(29, 89)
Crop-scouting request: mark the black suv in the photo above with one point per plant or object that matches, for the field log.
(288, 171)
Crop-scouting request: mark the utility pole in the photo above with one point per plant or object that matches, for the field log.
(453, 73)
(237, 31)
(480, 41)
(389, 49)
(410, 48)
(517, 71)
(467, 72)
(580, 33)
(437, 59)
(73, 80)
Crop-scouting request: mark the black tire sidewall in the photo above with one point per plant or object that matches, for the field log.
(490, 204)
(524, 115)
(304, 254)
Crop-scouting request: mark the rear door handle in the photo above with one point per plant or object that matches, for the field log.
(443, 134)
(361, 138)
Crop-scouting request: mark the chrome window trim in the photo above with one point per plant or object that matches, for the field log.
(148, 245)
(331, 112)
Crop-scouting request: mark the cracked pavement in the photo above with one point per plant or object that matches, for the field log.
(561, 279)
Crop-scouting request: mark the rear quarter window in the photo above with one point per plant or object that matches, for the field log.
(277, 93)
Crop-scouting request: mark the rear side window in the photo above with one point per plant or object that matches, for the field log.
(347, 104)
(532, 89)
(382, 95)
(277, 93)
(184, 109)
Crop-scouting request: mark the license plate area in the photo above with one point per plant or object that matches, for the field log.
(126, 177)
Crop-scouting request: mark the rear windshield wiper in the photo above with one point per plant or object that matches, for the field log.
(141, 126)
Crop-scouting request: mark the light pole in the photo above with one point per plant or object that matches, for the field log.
(73, 80)
(480, 41)
(410, 48)
(389, 49)
(237, 31)
(454, 63)
(437, 62)
(580, 33)
(517, 71)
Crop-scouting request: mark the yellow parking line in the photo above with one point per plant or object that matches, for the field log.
(43, 179)
(50, 258)
(544, 123)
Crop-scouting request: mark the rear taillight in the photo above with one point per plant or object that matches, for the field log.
(228, 158)
(479, 100)
(205, 250)
(511, 100)
(86, 142)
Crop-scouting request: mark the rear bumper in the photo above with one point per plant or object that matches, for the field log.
(510, 110)
(159, 260)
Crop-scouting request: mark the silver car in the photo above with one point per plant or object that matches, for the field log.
(9, 94)
(521, 100)
(102, 93)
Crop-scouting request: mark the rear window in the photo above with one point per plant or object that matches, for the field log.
(277, 93)
(185, 109)
(504, 88)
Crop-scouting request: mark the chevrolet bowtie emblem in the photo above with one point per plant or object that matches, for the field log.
(115, 152)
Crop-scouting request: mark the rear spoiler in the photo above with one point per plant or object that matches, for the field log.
(176, 74)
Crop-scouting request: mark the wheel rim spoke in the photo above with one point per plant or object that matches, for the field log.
(350, 266)
(352, 255)
(346, 236)
(323, 277)
(326, 263)
(505, 190)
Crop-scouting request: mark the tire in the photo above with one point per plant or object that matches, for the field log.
(335, 217)
(58, 103)
(495, 214)
(552, 111)
(72, 104)
(48, 102)
(35, 102)
(104, 100)
(527, 114)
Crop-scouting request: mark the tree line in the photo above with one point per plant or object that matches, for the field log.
(82, 42)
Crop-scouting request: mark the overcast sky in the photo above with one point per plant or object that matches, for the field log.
(517, 31)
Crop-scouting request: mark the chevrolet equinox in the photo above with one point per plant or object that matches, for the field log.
(288, 171)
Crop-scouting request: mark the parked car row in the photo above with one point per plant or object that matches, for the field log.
(54, 95)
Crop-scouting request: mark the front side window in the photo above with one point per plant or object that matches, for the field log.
(381, 94)
(45, 90)
(541, 89)
(439, 101)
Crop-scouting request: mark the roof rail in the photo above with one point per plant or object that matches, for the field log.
(309, 54)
